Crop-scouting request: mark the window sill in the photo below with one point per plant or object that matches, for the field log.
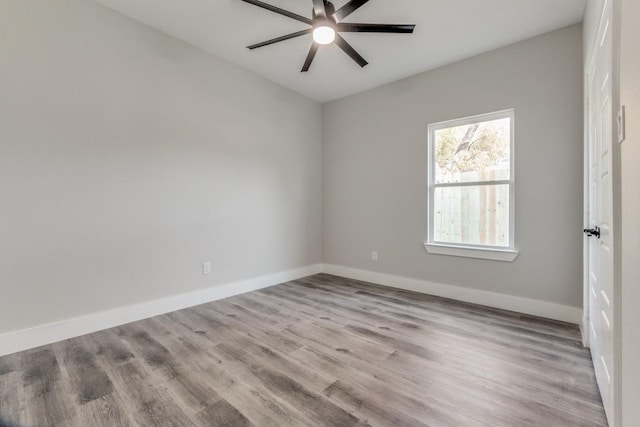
(507, 255)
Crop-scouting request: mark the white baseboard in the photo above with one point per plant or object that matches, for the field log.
(532, 307)
(584, 329)
(37, 336)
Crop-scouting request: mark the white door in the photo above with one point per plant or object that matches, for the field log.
(600, 212)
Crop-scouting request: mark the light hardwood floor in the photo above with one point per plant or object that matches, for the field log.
(322, 351)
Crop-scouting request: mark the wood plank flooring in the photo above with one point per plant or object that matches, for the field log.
(320, 351)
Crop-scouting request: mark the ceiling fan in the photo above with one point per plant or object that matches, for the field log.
(326, 24)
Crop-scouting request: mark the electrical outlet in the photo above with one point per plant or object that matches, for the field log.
(206, 268)
(374, 256)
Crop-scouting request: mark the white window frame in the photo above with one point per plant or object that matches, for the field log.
(496, 253)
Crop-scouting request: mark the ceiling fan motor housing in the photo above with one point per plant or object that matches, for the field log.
(330, 10)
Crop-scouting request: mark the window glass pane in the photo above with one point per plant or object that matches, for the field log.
(474, 152)
(476, 215)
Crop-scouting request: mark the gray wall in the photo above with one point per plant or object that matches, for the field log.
(630, 174)
(375, 169)
(127, 158)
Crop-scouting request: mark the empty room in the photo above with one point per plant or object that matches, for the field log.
(320, 213)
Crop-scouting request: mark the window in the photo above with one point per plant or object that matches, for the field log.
(471, 187)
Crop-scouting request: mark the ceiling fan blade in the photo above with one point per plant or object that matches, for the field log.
(319, 8)
(346, 47)
(280, 39)
(348, 9)
(310, 56)
(279, 11)
(376, 28)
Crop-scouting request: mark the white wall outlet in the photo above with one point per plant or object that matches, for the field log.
(374, 256)
(206, 268)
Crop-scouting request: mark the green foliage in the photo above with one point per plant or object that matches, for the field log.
(472, 147)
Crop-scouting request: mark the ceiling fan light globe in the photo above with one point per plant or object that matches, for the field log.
(324, 35)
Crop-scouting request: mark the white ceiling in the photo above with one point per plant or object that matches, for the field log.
(447, 31)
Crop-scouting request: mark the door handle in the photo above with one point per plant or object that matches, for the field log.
(592, 232)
